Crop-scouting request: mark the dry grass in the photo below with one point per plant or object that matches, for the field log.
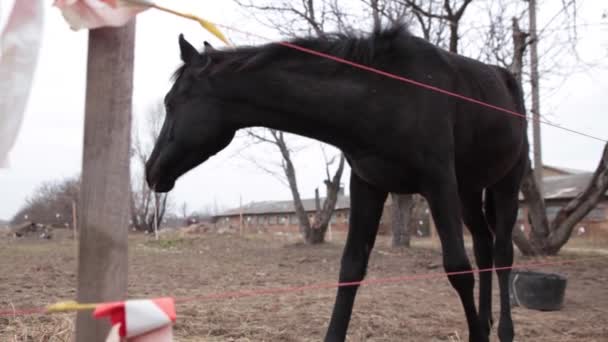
(52, 328)
(38, 273)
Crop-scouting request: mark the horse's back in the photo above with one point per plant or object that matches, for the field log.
(423, 131)
(487, 142)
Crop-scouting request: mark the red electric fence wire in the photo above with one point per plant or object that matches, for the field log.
(377, 281)
(319, 286)
(411, 81)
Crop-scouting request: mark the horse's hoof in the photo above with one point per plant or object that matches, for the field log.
(329, 339)
(480, 336)
(479, 339)
(486, 327)
(505, 334)
(333, 339)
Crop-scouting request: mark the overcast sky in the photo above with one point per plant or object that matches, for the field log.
(49, 146)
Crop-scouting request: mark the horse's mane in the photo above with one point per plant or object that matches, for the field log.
(350, 46)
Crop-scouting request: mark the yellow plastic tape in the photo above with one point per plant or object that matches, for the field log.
(207, 25)
(69, 306)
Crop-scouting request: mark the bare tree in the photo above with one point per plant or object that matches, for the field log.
(184, 213)
(52, 203)
(145, 203)
(449, 11)
(313, 230)
(292, 18)
(547, 238)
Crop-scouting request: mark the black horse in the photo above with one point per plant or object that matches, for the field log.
(397, 137)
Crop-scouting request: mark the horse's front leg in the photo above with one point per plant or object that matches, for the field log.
(366, 207)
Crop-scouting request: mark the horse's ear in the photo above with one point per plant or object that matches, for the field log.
(208, 47)
(188, 52)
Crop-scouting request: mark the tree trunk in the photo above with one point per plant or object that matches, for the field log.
(401, 214)
(567, 218)
(534, 242)
(454, 36)
(313, 233)
(133, 211)
(157, 212)
(102, 259)
(317, 202)
(290, 174)
(316, 233)
(454, 18)
(519, 48)
(537, 213)
(534, 83)
(548, 239)
(377, 21)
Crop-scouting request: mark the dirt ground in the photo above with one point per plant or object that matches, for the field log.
(36, 273)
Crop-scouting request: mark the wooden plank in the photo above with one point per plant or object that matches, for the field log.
(103, 221)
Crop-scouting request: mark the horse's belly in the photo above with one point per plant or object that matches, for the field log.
(387, 175)
(481, 170)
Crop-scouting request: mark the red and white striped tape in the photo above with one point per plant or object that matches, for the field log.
(138, 317)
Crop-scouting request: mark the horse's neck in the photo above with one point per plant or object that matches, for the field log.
(295, 103)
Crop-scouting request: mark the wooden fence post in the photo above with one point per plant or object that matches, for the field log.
(105, 189)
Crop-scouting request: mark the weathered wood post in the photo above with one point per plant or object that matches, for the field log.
(103, 221)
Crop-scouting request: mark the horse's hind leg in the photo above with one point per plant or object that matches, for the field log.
(365, 212)
(503, 198)
(443, 198)
(475, 220)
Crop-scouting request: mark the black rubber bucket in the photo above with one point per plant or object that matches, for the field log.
(537, 291)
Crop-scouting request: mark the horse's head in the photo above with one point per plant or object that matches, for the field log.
(194, 128)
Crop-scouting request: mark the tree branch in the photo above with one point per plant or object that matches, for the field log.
(578, 208)
(413, 4)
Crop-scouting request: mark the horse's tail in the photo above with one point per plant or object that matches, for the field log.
(517, 95)
(515, 89)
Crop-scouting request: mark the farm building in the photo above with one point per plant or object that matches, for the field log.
(280, 216)
(561, 185)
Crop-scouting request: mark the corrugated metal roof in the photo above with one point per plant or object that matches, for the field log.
(566, 170)
(567, 186)
(281, 207)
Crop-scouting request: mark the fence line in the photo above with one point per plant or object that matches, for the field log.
(319, 286)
